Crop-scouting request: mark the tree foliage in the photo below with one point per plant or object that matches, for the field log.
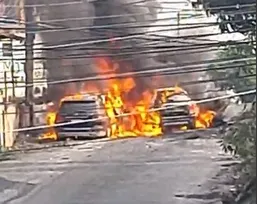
(240, 139)
(236, 16)
(233, 15)
(241, 75)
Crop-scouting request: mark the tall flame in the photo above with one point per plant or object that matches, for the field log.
(135, 119)
(127, 117)
(50, 121)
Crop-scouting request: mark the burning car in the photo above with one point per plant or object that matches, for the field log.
(83, 116)
(175, 109)
(121, 109)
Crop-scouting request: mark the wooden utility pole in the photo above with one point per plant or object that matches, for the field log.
(29, 56)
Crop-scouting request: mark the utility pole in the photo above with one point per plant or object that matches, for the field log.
(29, 56)
(178, 22)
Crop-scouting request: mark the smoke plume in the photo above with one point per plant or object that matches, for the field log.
(132, 17)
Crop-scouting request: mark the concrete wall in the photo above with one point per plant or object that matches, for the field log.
(9, 121)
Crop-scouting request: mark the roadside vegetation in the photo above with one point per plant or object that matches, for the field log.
(240, 139)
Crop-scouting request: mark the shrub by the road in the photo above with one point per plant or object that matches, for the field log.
(240, 139)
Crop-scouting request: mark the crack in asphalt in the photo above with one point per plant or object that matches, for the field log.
(203, 196)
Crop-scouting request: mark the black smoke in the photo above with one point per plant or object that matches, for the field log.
(101, 19)
(124, 18)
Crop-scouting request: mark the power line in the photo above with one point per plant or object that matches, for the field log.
(152, 36)
(176, 53)
(92, 17)
(174, 72)
(47, 4)
(144, 48)
(99, 17)
(186, 83)
(215, 80)
(111, 16)
(192, 95)
(173, 105)
(133, 36)
(127, 25)
(148, 70)
(106, 17)
(128, 74)
(176, 50)
(133, 3)
(132, 15)
(203, 69)
(236, 6)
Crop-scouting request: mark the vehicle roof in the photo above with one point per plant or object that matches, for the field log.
(82, 97)
(175, 88)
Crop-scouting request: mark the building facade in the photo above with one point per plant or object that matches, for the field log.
(12, 64)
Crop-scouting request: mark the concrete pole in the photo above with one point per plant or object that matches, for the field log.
(29, 57)
(178, 21)
(2, 130)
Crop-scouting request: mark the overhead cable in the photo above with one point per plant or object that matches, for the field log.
(173, 105)
(148, 70)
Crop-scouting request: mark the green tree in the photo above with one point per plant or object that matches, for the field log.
(239, 139)
(236, 16)
(240, 75)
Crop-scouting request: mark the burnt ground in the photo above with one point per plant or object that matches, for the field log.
(180, 169)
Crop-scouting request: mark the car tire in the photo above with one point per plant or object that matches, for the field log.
(191, 124)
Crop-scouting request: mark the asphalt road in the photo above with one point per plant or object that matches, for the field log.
(131, 171)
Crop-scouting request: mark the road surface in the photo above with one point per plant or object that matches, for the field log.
(130, 171)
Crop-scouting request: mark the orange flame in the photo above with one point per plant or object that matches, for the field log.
(50, 121)
(129, 118)
(135, 119)
(204, 119)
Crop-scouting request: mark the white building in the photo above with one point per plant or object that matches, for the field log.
(40, 72)
(12, 68)
(12, 75)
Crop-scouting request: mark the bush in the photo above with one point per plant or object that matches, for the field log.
(240, 139)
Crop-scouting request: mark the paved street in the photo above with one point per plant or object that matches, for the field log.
(138, 171)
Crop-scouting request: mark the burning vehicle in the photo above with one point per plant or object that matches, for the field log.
(121, 109)
(176, 109)
(83, 116)
(106, 115)
(124, 50)
(179, 112)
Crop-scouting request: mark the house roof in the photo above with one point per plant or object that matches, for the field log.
(12, 30)
(10, 34)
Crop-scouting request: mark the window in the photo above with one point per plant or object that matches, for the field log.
(37, 90)
(7, 49)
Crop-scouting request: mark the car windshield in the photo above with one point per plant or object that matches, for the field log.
(71, 107)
